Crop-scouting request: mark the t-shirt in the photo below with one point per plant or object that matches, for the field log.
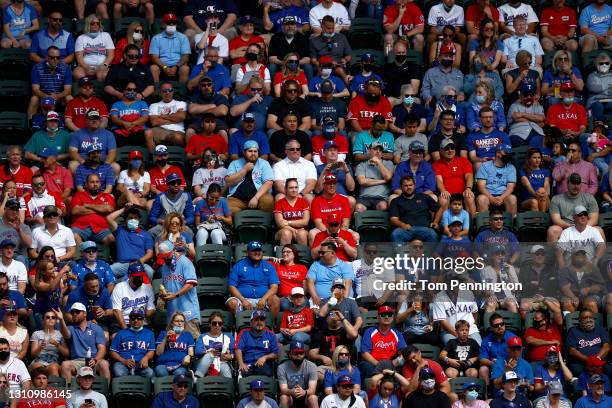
(49, 353)
(462, 350)
(15, 340)
(199, 143)
(558, 22)
(565, 118)
(453, 173)
(497, 178)
(538, 353)
(16, 272)
(363, 113)
(239, 42)
(126, 299)
(485, 144)
(162, 108)
(439, 17)
(536, 179)
(79, 396)
(18, 23)
(279, 108)
(290, 276)
(443, 308)
(598, 21)
(415, 211)
(292, 377)
(365, 139)
(412, 18)
(291, 212)
(40, 141)
(96, 221)
(326, 340)
(133, 344)
(174, 279)
(204, 177)
(94, 49)
(338, 206)
(382, 346)
(507, 13)
(303, 318)
(174, 351)
(475, 14)
(101, 138)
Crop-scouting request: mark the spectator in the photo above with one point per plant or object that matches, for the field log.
(133, 70)
(595, 22)
(174, 347)
(380, 344)
(55, 35)
(445, 14)
(419, 208)
(84, 381)
(338, 14)
(18, 22)
(97, 298)
(373, 176)
(214, 219)
(460, 355)
(561, 72)
(79, 106)
(136, 35)
(469, 396)
(290, 132)
(54, 139)
(526, 117)
(541, 282)
(496, 272)
(168, 118)
(291, 274)
(253, 283)
(598, 85)
(446, 38)
(239, 45)
(404, 20)
(89, 209)
(207, 139)
(254, 102)
(57, 178)
(295, 165)
(597, 396)
(544, 334)
(132, 348)
(453, 176)
(330, 43)
(488, 239)
(86, 343)
(175, 231)
(132, 294)
(521, 40)
(377, 134)
(92, 135)
(257, 396)
(15, 372)
(483, 143)
(484, 97)
(523, 73)
(440, 76)
(53, 234)
(519, 366)
(448, 103)
(479, 73)
(447, 130)
(125, 8)
(357, 83)
(292, 215)
(587, 174)
(297, 378)
(211, 172)
(50, 78)
(89, 263)
(170, 52)
(554, 370)
(180, 394)
(568, 115)
(536, 183)
(134, 184)
(248, 132)
(337, 87)
(16, 171)
(324, 273)
(586, 340)
(94, 50)
(415, 321)
(204, 103)
(346, 245)
(256, 347)
(174, 200)
(425, 379)
(340, 301)
(209, 66)
(252, 67)
(364, 109)
(476, 13)
(196, 14)
(50, 285)
(486, 46)
(210, 39)
(588, 291)
(250, 180)
(17, 335)
(330, 202)
(288, 37)
(287, 12)
(290, 69)
(344, 391)
(288, 102)
(497, 191)
(214, 349)
(418, 169)
(129, 117)
(15, 270)
(93, 166)
(412, 112)
(334, 338)
(558, 24)
(509, 382)
(161, 170)
(297, 319)
(335, 166)
(47, 346)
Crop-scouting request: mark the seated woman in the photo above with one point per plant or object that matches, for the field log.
(214, 349)
(522, 73)
(415, 322)
(536, 183)
(94, 50)
(174, 348)
(175, 231)
(292, 215)
(385, 389)
(291, 274)
(341, 365)
(561, 71)
(47, 345)
(485, 96)
(211, 171)
(499, 271)
(290, 70)
(212, 214)
(448, 37)
(134, 184)
(487, 46)
(135, 34)
(17, 335)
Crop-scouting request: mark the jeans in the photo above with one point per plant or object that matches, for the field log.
(120, 270)
(121, 370)
(205, 362)
(425, 234)
(265, 370)
(285, 304)
(602, 166)
(217, 236)
(599, 110)
(162, 371)
(301, 336)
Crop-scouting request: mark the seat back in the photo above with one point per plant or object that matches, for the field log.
(572, 319)
(213, 260)
(269, 382)
(252, 225)
(243, 320)
(428, 351)
(228, 319)
(372, 226)
(212, 292)
(217, 392)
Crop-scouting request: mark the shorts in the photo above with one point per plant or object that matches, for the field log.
(196, 125)
(87, 234)
(370, 202)
(599, 299)
(45, 361)
(253, 303)
(161, 135)
(78, 363)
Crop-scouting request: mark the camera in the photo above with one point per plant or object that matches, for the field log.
(334, 235)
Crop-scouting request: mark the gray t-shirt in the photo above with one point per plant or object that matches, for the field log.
(292, 377)
(50, 354)
(79, 397)
(372, 171)
(348, 307)
(8, 232)
(402, 145)
(564, 205)
(522, 129)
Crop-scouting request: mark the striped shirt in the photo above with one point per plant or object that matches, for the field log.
(51, 81)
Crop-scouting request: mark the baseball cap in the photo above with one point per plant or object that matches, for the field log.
(338, 282)
(7, 242)
(93, 114)
(455, 219)
(326, 59)
(594, 361)
(289, 20)
(48, 100)
(258, 313)
(13, 204)
(48, 152)
(330, 179)
(85, 81)
(250, 144)
(180, 379)
(416, 146)
(595, 378)
(377, 145)
(135, 154)
(53, 115)
(248, 117)
(94, 147)
(165, 247)
(535, 249)
(137, 312)
(344, 380)
(510, 375)
(514, 342)
(327, 86)
(505, 148)
(332, 220)
(552, 350)
(297, 291)
(447, 49)
(87, 245)
(78, 306)
(257, 385)
(527, 87)
(172, 177)
(245, 20)
(330, 144)
(426, 372)
(385, 309)
(567, 86)
(136, 269)
(575, 178)
(169, 17)
(580, 209)
(296, 345)
(50, 210)
(445, 142)
(471, 384)
(254, 245)
(86, 371)
(367, 57)
(554, 387)
(161, 150)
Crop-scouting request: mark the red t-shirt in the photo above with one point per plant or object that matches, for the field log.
(238, 42)
(59, 180)
(323, 208)
(538, 353)
(158, 177)
(303, 318)
(475, 15)
(22, 178)
(360, 111)
(97, 222)
(567, 118)
(559, 22)
(318, 143)
(290, 276)
(279, 78)
(412, 18)
(291, 213)
(340, 252)
(77, 110)
(198, 143)
(54, 400)
(408, 371)
(453, 173)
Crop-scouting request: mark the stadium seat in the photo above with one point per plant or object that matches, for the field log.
(303, 251)
(253, 225)
(177, 156)
(356, 54)
(588, 59)
(243, 320)
(161, 384)
(215, 392)
(270, 383)
(228, 320)
(123, 154)
(605, 222)
(372, 226)
(13, 63)
(571, 319)
(531, 226)
(365, 33)
(160, 320)
(212, 292)
(520, 154)
(213, 260)
(14, 93)
(240, 251)
(513, 321)
(458, 382)
(528, 320)
(482, 221)
(370, 319)
(14, 128)
(428, 351)
(100, 384)
(57, 382)
(131, 391)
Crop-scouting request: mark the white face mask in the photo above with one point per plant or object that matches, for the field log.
(604, 69)
(170, 29)
(137, 36)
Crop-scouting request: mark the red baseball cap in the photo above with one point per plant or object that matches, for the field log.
(385, 309)
(330, 179)
(326, 59)
(135, 154)
(169, 17)
(448, 48)
(567, 86)
(552, 350)
(594, 361)
(515, 342)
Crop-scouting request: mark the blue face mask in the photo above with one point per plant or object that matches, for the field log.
(481, 98)
(135, 164)
(450, 99)
(93, 35)
(137, 329)
(133, 224)
(177, 329)
(569, 100)
(292, 65)
(478, 67)
(130, 95)
(471, 395)
(409, 100)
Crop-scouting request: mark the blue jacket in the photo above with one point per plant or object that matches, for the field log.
(424, 179)
(157, 210)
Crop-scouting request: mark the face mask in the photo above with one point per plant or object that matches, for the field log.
(133, 224)
(326, 72)
(367, 67)
(552, 359)
(171, 29)
(471, 395)
(409, 100)
(587, 324)
(372, 97)
(292, 65)
(536, 324)
(4, 355)
(478, 67)
(177, 329)
(93, 35)
(162, 162)
(137, 281)
(251, 56)
(93, 191)
(604, 68)
(569, 100)
(328, 35)
(137, 329)
(578, 263)
(428, 384)
(130, 95)
(51, 130)
(170, 262)
(135, 164)
(400, 58)
(329, 132)
(450, 99)
(447, 8)
(137, 36)
(446, 63)
(297, 361)
(342, 363)
(481, 99)
(506, 159)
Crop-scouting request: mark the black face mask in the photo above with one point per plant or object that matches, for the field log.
(251, 56)
(297, 361)
(93, 191)
(537, 324)
(578, 263)
(506, 159)
(367, 67)
(400, 59)
(137, 281)
(372, 97)
(162, 162)
(4, 355)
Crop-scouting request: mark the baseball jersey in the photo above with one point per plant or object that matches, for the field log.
(126, 299)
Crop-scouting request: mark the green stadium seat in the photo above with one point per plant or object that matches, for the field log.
(372, 226)
(14, 62)
(212, 292)
(14, 93)
(271, 385)
(14, 128)
(571, 319)
(588, 59)
(161, 384)
(57, 382)
(177, 156)
(123, 154)
(130, 391)
(365, 33)
(303, 251)
(243, 320)
(428, 351)
(228, 319)
(253, 225)
(215, 392)
(356, 54)
(458, 382)
(520, 155)
(100, 384)
(213, 260)
(532, 226)
(513, 321)
(605, 222)
(370, 319)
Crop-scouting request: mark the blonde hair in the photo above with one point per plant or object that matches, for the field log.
(557, 55)
(166, 225)
(170, 325)
(337, 351)
(486, 85)
(130, 31)
(88, 21)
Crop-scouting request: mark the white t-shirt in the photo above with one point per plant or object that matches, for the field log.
(220, 42)
(572, 238)
(507, 13)
(16, 273)
(205, 177)
(303, 170)
(94, 49)
(243, 76)
(15, 340)
(333, 401)
(126, 299)
(130, 184)
(79, 397)
(439, 17)
(442, 308)
(365, 279)
(162, 108)
(16, 372)
(60, 241)
(337, 11)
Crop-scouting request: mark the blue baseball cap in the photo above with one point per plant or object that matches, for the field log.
(257, 385)
(136, 269)
(254, 245)
(296, 345)
(259, 313)
(85, 81)
(455, 219)
(505, 148)
(344, 380)
(471, 384)
(48, 100)
(87, 245)
(48, 152)
(250, 144)
(94, 147)
(172, 177)
(161, 150)
(330, 144)
(426, 372)
(248, 116)
(138, 312)
(12, 204)
(527, 87)
(7, 242)
(245, 20)
(416, 146)
(367, 57)
(180, 379)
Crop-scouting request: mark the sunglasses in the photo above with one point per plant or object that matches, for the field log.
(292, 91)
(182, 385)
(75, 312)
(50, 318)
(386, 315)
(294, 149)
(498, 325)
(371, 252)
(94, 23)
(562, 59)
(53, 57)
(174, 183)
(3, 382)
(540, 253)
(418, 151)
(346, 386)
(447, 35)
(206, 85)
(91, 251)
(213, 198)
(56, 19)
(582, 214)
(38, 184)
(167, 90)
(130, 89)
(344, 354)
(497, 218)
(323, 252)
(139, 31)
(407, 95)
(216, 323)
(132, 56)
(449, 147)
(256, 90)
(137, 318)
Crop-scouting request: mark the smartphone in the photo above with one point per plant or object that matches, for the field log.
(88, 401)
(334, 235)
(213, 26)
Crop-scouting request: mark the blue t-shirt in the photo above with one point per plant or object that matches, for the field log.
(497, 178)
(219, 74)
(463, 215)
(299, 13)
(174, 280)
(260, 110)
(19, 22)
(104, 171)
(169, 49)
(130, 112)
(204, 210)
(253, 281)
(492, 349)
(536, 179)
(174, 351)
(485, 144)
(364, 140)
(82, 139)
(598, 21)
(550, 77)
(314, 85)
(537, 141)
(358, 83)
(452, 248)
(102, 299)
(324, 275)
(102, 269)
(166, 399)
(238, 138)
(254, 346)
(487, 238)
(132, 245)
(588, 343)
(133, 344)
(82, 341)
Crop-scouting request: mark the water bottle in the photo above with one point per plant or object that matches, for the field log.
(133, 369)
(88, 356)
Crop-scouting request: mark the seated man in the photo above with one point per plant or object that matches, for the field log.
(522, 41)
(497, 234)
(133, 294)
(416, 366)
(568, 115)
(254, 101)
(496, 181)
(256, 347)
(167, 120)
(526, 116)
(53, 234)
(323, 273)
(90, 263)
(207, 139)
(363, 109)
(419, 169)
(289, 131)
(131, 69)
(250, 179)
(404, 20)
(78, 108)
(346, 247)
(245, 133)
(54, 34)
(380, 344)
(38, 199)
(330, 204)
(376, 134)
(206, 101)
(513, 362)
(93, 134)
(132, 348)
(586, 340)
(575, 164)
(173, 200)
(98, 299)
(581, 284)
(94, 165)
(582, 236)
(295, 166)
(297, 378)
(454, 175)
(253, 283)
(257, 396)
(558, 26)
(331, 42)
(330, 133)
(89, 209)
(328, 88)
(170, 52)
(509, 383)
(482, 145)
(16, 171)
(52, 138)
(50, 78)
(594, 21)
(209, 65)
(374, 176)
